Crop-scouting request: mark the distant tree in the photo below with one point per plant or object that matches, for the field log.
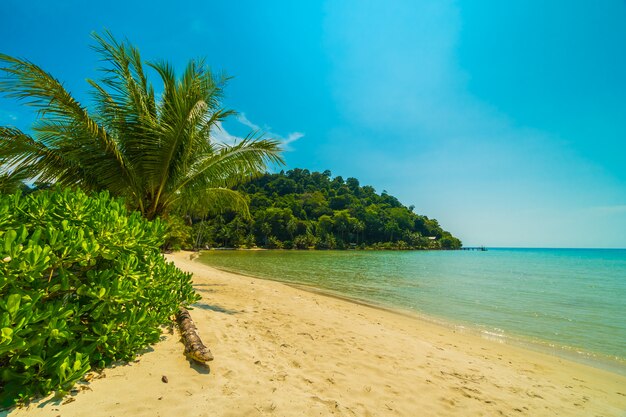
(353, 185)
(292, 226)
(357, 226)
(341, 222)
(340, 202)
(324, 225)
(312, 215)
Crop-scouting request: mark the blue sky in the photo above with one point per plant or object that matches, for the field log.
(506, 121)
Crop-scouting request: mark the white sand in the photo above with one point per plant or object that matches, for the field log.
(286, 352)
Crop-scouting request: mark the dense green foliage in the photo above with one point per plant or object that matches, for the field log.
(82, 284)
(155, 150)
(302, 209)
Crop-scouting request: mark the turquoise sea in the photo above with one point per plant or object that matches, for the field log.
(569, 301)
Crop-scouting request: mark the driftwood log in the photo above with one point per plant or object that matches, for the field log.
(194, 348)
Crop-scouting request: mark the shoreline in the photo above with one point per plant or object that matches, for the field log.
(596, 360)
(592, 359)
(284, 351)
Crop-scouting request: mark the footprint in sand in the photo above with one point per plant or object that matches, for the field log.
(448, 401)
(332, 404)
(533, 394)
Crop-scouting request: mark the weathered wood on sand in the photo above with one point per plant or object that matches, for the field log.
(194, 348)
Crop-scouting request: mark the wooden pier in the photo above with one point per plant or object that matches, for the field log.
(479, 248)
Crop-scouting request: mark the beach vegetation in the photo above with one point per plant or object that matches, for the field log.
(82, 284)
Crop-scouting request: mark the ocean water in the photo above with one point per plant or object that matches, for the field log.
(571, 301)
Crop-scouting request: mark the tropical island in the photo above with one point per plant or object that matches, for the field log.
(88, 299)
(299, 209)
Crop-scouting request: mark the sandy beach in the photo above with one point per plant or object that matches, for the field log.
(283, 351)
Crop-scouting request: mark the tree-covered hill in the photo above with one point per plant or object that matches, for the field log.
(302, 209)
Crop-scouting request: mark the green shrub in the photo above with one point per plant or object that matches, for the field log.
(274, 243)
(402, 245)
(249, 241)
(303, 241)
(82, 284)
(326, 242)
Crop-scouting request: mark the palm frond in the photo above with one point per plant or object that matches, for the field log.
(12, 181)
(63, 119)
(39, 161)
(211, 201)
(158, 153)
(233, 164)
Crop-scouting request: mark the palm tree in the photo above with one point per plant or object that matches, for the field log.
(154, 150)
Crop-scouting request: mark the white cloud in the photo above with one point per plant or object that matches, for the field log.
(244, 121)
(221, 134)
(292, 137)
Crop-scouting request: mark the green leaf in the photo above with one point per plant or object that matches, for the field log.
(9, 237)
(13, 304)
(7, 334)
(36, 236)
(31, 360)
(23, 233)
